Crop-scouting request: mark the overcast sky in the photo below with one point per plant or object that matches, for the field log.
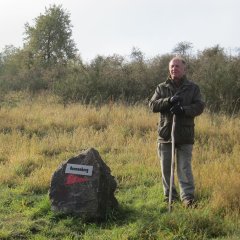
(106, 27)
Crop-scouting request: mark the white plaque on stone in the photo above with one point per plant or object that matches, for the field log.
(79, 169)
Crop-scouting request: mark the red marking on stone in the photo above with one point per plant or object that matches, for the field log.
(72, 179)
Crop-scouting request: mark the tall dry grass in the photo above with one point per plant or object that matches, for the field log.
(216, 160)
(37, 135)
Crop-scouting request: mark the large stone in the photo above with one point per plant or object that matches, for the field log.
(84, 186)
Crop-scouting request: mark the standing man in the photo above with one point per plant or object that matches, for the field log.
(179, 96)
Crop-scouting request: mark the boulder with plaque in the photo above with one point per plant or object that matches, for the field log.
(83, 186)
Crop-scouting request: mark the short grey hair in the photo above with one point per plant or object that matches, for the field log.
(180, 59)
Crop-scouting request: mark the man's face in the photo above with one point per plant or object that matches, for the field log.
(176, 69)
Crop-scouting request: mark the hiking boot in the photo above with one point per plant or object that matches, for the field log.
(189, 203)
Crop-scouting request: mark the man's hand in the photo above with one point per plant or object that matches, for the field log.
(175, 99)
(177, 109)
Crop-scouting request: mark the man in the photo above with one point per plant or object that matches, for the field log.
(180, 97)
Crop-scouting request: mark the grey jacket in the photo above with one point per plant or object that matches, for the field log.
(192, 104)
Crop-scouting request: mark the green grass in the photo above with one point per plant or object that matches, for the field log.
(142, 215)
(37, 135)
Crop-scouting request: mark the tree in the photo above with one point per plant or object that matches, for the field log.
(49, 40)
(183, 49)
(137, 55)
(218, 76)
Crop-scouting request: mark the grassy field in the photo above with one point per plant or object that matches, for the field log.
(36, 135)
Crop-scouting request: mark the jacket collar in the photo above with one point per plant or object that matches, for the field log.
(173, 88)
(183, 81)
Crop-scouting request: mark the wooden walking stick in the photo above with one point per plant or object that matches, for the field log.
(172, 164)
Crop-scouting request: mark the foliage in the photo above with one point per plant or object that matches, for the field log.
(113, 78)
(49, 41)
(183, 49)
(218, 75)
(49, 61)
